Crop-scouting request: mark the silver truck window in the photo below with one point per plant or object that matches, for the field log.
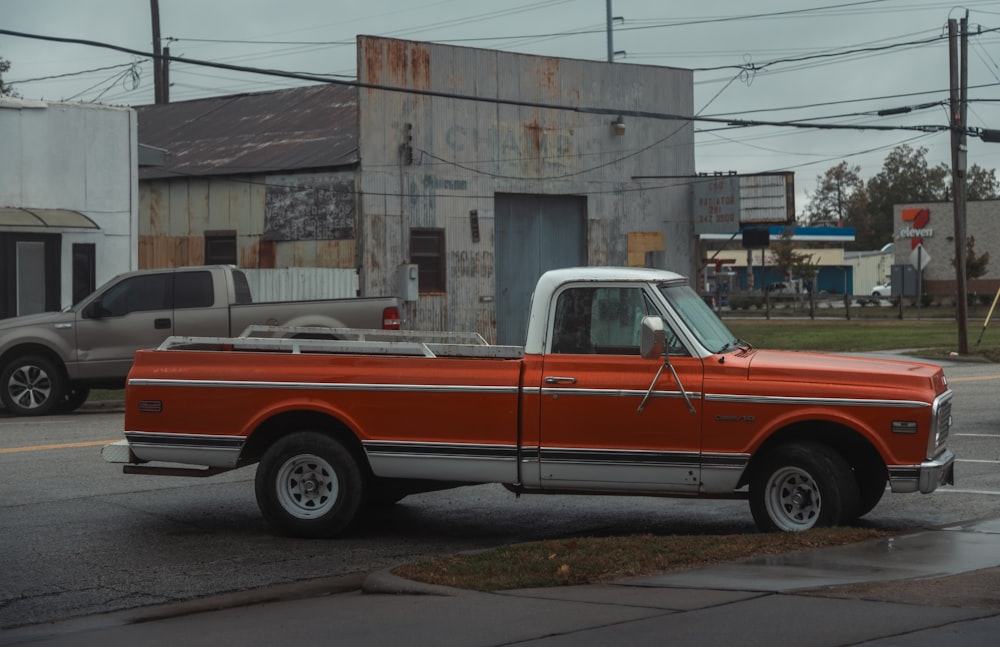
(193, 290)
(149, 292)
(242, 288)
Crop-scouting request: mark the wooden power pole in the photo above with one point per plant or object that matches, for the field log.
(159, 65)
(959, 71)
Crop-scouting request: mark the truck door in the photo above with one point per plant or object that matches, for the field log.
(593, 380)
(201, 308)
(134, 313)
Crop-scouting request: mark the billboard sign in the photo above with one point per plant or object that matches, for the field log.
(717, 205)
(767, 198)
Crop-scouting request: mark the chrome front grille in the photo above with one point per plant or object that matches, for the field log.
(943, 421)
(940, 424)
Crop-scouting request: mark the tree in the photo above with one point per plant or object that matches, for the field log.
(981, 184)
(6, 90)
(838, 196)
(975, 266)
(905, 177)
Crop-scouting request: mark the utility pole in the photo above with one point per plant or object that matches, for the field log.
(159, 65)
(959, 72)
(611, 37)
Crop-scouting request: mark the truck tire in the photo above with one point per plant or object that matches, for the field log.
(309, 485)
(802, 485)
(32, 385)
(75, 397)
(871, 478)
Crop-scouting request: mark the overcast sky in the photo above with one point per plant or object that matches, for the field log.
(850, 60)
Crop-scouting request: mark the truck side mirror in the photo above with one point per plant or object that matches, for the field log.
(653, 339)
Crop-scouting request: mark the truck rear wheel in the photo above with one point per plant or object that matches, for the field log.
(32, 385)
(799, 486)
(309, 485)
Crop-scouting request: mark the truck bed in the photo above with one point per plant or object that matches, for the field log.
(349, 341)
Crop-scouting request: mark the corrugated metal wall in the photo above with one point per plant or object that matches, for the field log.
(301, 283)
(176, 213)
(429, 161)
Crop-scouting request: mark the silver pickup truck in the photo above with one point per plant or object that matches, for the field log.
(50, 361)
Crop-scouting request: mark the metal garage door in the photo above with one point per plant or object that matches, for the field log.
(533, 234)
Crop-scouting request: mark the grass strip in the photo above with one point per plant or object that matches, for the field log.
(590, 560)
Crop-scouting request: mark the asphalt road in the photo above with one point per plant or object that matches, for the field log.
(79, 537)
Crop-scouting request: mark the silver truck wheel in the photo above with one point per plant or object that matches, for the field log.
(32, 386)
(309, 485)
(803, 485)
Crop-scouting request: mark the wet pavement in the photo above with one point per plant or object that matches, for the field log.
(831, 596)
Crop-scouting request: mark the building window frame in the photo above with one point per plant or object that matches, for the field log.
(428, 252)
(220, 247)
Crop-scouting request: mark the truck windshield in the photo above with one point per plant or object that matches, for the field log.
(699, 318)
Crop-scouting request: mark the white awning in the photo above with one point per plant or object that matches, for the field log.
(54, 218)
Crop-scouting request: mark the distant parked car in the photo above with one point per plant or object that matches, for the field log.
(884, 290)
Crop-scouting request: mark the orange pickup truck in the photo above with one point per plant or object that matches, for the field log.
(627, 384)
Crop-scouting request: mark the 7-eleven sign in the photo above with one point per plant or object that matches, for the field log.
(916, 226)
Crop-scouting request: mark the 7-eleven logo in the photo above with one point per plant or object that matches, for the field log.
(917, 229)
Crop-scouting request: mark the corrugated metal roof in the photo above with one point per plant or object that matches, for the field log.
(284, 130)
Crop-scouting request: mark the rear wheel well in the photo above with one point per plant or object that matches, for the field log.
(860, 454)
(289, 422)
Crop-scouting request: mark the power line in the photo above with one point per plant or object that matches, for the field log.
(454, 95)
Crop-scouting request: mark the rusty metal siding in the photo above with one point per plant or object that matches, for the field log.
(175, 214)
(464, 152)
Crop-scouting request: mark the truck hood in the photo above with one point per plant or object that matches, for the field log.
(40, 319)
(820, 368)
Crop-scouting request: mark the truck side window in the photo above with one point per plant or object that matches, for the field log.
(150, 292)
(603, 321)
(193, 290)
(242, 287)
(571, 325)
(616, 320)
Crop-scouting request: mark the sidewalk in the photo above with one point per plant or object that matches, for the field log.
(929, 588)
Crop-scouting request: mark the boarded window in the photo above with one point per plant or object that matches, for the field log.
(220, 248)
(427, 252)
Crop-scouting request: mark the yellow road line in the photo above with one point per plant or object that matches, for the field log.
(981, 378)
(39, 448)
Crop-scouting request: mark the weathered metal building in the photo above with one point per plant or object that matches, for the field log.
(489, 167)
(472, 170)
(259, 180)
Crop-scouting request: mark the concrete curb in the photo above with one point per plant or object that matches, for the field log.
(384, 582)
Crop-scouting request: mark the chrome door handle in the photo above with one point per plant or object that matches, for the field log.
(560, 380)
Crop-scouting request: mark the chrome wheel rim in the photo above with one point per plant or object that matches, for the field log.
(307, 486)
(29, 386)
(793, 500)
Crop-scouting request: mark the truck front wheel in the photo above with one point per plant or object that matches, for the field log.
(802, 485)
(309, 485)
(32, 386)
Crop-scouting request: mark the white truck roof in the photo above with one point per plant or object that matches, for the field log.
(551, 281)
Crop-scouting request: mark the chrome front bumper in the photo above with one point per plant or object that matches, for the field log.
(926, 477)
